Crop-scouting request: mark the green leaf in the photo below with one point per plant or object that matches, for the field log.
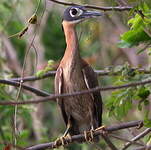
(147, 120)
(133, 38)
(138, 24)
(40, 73)
(147, 123)
(124, 44)
(143, 93)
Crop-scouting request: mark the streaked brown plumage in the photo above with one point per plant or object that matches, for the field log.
(83, 112)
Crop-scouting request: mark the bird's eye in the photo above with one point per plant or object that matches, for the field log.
(74, 12)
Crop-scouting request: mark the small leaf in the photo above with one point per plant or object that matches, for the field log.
(50, 62)
(33, 19)
(143, 93)
(23, 32)
(147, 123)
(40, 73)
(147, 120)
(124, 44)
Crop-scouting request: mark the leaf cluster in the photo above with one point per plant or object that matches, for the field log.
(121, 102)
(140, 27)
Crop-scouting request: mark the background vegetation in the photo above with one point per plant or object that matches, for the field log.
(118, 43)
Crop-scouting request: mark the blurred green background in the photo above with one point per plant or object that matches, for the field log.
(106, 43)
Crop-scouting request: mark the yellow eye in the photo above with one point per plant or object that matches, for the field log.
(75, 12)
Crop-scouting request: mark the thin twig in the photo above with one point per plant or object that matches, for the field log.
(54, 96)
(22, 76)
(81, 137)
(123, 8)
(26, 87)
(144, 148)
(125, 140)
(141, 135)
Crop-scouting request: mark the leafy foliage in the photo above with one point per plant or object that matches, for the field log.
(140, 27)
(118, 104)
(122, 101)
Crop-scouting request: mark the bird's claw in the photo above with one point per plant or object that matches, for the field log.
(89, 135)
(64, 140)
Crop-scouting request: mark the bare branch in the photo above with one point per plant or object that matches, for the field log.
(141, 135)
(34, 78)
(124, 139)
(81, 137)
(99, 73)
(124, 8)
(144, 148)
(54, 96)
(29, 88)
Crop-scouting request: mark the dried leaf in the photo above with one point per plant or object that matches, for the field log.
(8, 147)
(33, 19)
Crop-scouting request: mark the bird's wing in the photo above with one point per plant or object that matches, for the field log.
(91, 81)
(58, 90)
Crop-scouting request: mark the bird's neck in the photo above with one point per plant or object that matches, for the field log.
(72, 51)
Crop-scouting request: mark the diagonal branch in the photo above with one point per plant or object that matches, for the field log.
(124, 139)
(81, 137)
(55, 96)
(144, 148)
(123, 8)
(141, 135)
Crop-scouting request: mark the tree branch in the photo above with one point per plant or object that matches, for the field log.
(34, 78)
(55, 96)
(144, 148)
(123, 8)
(141, 135)
(28, 88)
(125, 140)
(99, 73)
(81, 137)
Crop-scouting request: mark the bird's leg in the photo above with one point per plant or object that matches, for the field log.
(66, 136)
(89, 134)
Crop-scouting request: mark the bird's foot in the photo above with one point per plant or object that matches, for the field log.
(62, 141)
(89, 135)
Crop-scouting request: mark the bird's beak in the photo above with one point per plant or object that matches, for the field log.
(91, 14)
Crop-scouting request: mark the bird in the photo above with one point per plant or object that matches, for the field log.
(80, 113)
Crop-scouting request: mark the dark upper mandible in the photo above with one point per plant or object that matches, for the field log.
(75, 13)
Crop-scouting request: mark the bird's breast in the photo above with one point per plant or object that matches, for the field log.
(79, 107)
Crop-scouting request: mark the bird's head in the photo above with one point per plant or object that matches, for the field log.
(76, 14)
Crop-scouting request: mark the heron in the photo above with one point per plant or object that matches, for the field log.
(81, 113)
